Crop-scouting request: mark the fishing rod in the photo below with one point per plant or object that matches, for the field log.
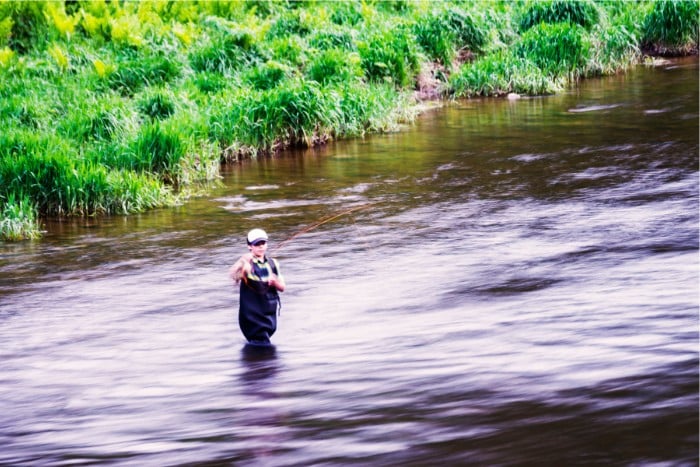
(320, 223)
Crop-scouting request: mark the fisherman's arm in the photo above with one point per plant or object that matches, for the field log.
(276, 280)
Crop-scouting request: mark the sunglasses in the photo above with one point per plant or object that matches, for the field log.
(261, 242)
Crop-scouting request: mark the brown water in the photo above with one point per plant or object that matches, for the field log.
(519, 285)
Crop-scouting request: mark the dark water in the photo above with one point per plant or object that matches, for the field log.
(517, 285)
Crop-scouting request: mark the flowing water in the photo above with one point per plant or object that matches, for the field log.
(501, 283)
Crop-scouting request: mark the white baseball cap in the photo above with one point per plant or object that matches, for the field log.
(256, 235)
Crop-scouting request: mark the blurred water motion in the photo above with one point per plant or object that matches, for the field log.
(521, 288)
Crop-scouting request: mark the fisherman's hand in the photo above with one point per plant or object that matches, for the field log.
(246, 266)
(276, 283)
(240, 268)
(235, 272)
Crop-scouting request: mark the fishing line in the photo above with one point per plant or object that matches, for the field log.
(320, 223)
(362, 238)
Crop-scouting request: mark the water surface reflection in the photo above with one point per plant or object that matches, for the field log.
(512, 283)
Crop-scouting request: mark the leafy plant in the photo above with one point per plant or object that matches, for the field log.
(557, 49)
(62, 24)
(448, 29)
(158, 149)
(582, 12)
(29, 25)
(209, 82)
(290, 50)
(127, 31)
(615, 48)
(500, 74)
(47, 172)
(5, 31)
(390, 55)
(672, 24)
(18, 219)
(227, 50)
(133, 74)
(334, 66)
(268, 75)
(60, 57)
(332, 39)
(97, 28)
(290, 23)
(157, 106)
(438, 41)
(347, 13)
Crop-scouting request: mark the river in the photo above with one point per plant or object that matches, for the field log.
(499, 283)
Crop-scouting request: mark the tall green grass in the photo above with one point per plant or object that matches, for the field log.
(671, 27)
(614, 49)
(51, 177)
(503, 73)
(390, 55)
(447, 31)
(347, 13)
(557, 49)
(134, 74)
(18, 219)
(334, 38)
(582, 12)
(157, 105)
(268, 75)
(303, 112)
(437, 40)
(96, 121)
(116, 107)
(226, 48)
(335, 66)
(286, 115)
(25, 25)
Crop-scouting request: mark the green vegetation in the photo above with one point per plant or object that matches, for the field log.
(121, 106)
(671, 28)
(584, 13)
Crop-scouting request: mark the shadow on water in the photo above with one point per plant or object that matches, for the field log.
(260, 362)
(258, 383)
(260, 366)
(615, 422)
(618, 422)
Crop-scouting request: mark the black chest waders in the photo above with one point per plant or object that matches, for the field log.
(260, 305)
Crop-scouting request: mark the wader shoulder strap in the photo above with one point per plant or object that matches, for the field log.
(273, 266)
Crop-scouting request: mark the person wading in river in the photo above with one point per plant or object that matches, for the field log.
(260, 280)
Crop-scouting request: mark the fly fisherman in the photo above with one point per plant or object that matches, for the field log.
(260, 280)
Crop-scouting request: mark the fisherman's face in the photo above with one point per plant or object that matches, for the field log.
(259, 248)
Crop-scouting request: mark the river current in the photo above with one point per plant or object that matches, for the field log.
(503, 282)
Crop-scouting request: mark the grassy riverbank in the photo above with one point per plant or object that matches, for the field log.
(120, 107)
